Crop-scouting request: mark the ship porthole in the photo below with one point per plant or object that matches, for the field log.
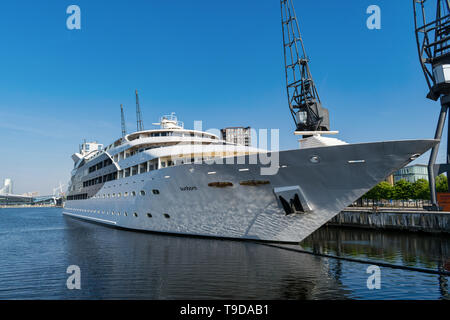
(135, 214)
(149, 215)
(314, 159)
(166, 216)
(142, 193)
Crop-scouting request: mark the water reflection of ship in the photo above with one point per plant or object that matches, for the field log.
(413, 249)
(122, 264)
(410, 249)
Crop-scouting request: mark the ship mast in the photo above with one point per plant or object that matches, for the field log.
(139, 122)
(124, 128)
(304, 102)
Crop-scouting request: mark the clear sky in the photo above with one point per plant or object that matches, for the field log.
(216, 61)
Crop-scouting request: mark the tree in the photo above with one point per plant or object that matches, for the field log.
(385, 190)
(374, 193)
(441, 183)
(421, 190)
(403, 190)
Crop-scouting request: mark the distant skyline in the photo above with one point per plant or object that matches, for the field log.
(216, 61)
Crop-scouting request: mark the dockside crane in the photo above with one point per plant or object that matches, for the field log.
(139, 122)
(433, 43)
(304, 103)
(122, 117)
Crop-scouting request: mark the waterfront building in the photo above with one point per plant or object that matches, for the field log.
(237, 135)
(412, 173)
(390, 180)
(7, 187)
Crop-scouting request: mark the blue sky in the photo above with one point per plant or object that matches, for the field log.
(216, 61)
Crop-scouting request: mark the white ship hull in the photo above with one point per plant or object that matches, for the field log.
(187, 203)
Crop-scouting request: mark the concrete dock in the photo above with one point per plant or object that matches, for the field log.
(394, 219)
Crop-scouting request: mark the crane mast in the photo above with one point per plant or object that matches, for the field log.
(303, 98)
(433, 44)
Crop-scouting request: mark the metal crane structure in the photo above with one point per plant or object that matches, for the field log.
(139, 122)
(124, 128)
(60, 188)
(433, 43)
(304, 102)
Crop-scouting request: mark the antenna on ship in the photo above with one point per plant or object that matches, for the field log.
(309, 116)
(433, 43)
(124, 128)
(139, 122)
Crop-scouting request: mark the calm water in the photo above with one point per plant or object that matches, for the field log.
(37, 246)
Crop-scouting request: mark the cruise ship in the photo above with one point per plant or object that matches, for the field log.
(190, 182)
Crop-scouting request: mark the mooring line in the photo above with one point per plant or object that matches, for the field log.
(381, 264)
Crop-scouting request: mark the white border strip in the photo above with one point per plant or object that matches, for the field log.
(89, 218)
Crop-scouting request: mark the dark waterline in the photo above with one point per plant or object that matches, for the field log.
(38, 244)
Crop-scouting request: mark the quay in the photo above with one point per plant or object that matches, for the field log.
(393, 219)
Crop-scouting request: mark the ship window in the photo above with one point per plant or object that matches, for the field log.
(166, 216)
(142, 193)
(149, 215)
(135, 214)
(143, 168)
(127, 172)
(125, 214)
(134, 170)
(163, 164)
(133, 193)
(155, 191)
(118, 195)
(113, 195)
(125, 194)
